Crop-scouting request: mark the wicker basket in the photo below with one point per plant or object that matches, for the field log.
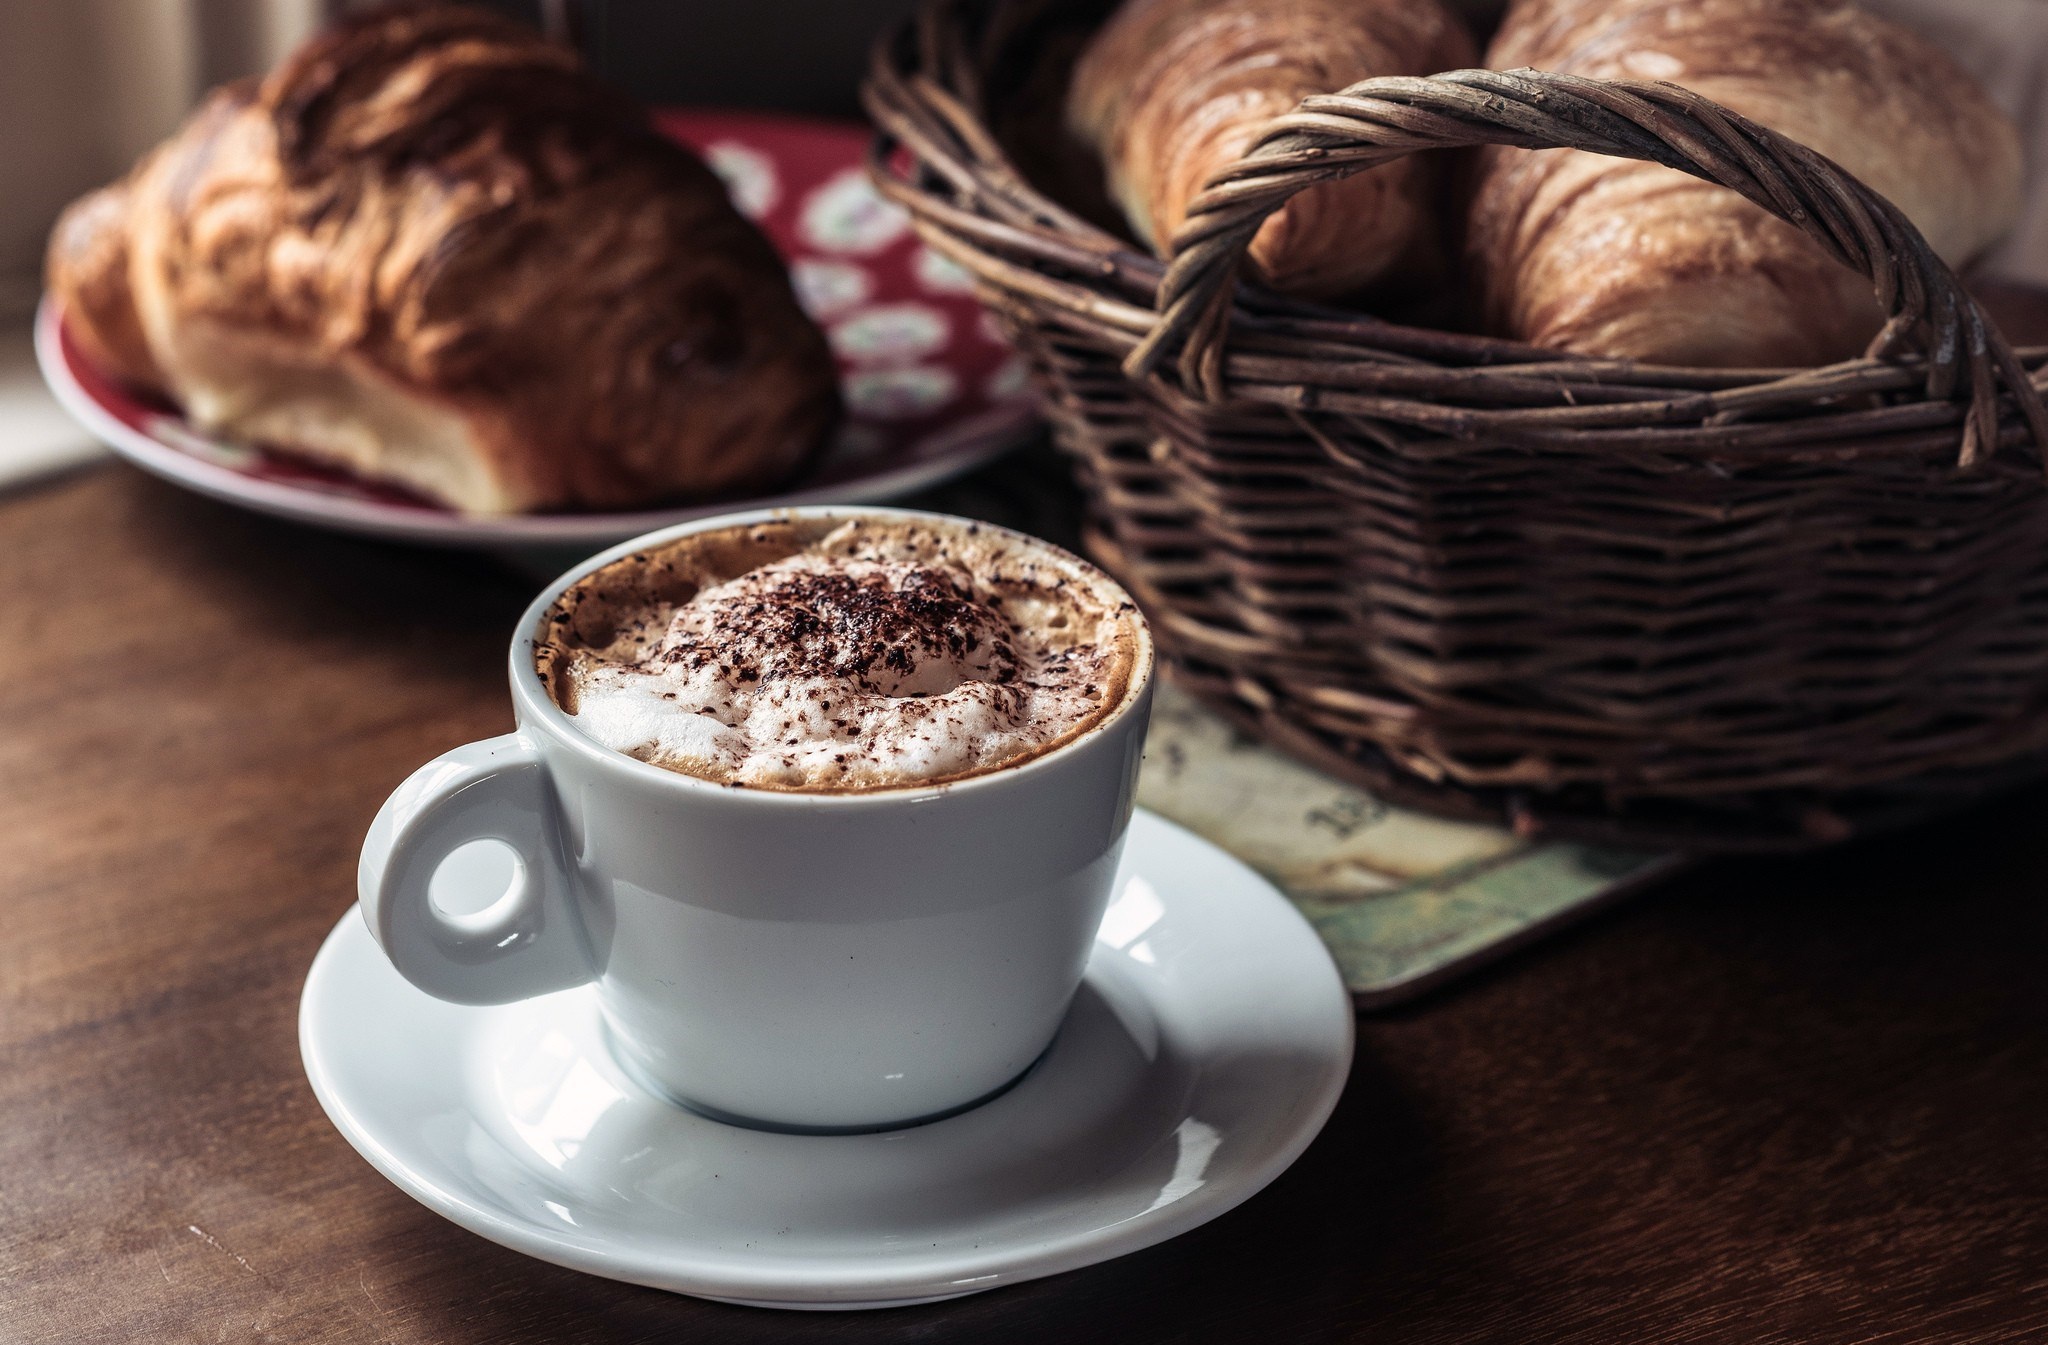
(1722, 609)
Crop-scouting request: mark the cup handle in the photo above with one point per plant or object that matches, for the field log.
(526, 943)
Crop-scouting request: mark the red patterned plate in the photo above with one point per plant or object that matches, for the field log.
(931, 389)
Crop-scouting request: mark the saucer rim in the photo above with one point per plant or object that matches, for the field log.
(861, 1284)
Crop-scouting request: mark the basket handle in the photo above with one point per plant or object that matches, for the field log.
(1332, 136)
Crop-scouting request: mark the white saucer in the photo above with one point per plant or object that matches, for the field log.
(1206, 1048)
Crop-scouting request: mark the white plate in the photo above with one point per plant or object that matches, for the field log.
(932, 389)
(1208, 1045)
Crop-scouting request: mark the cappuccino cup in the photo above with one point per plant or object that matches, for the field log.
(804, 959)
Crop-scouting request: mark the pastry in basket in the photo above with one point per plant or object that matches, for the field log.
(1614, 257)
(432, 249)
(1170, 91)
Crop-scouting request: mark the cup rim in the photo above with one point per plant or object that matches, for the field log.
(535, 707)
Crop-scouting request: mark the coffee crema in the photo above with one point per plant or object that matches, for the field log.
(831, 654)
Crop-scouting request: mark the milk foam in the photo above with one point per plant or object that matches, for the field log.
(864, 658)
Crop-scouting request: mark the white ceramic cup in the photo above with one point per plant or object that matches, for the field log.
(798, 961)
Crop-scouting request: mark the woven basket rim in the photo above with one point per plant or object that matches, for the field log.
(1015, 236)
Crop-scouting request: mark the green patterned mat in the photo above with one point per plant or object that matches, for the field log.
(1404, 900)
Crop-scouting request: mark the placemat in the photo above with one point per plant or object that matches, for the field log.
(1404, 900)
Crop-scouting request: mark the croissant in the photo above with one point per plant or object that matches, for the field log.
(1614, 257)
(1170, 91)
(432, 249)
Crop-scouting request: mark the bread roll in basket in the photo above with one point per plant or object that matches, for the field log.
(1706, 607)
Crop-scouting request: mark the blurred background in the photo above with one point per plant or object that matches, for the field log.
(87, 85)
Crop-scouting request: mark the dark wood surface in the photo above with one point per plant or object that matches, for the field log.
(1769, 1101)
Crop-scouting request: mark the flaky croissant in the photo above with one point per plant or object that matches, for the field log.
(1170, 91)
(431, 248)
(1614, 257)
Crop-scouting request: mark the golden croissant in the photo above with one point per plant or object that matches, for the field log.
(1615, 257)
(432, 249)
(1171, 91)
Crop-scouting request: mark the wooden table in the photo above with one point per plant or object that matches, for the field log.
(1770, 1101)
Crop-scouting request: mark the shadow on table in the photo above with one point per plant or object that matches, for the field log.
(1350, 1208)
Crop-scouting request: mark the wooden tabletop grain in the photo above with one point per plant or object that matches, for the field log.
(1770, 1101)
